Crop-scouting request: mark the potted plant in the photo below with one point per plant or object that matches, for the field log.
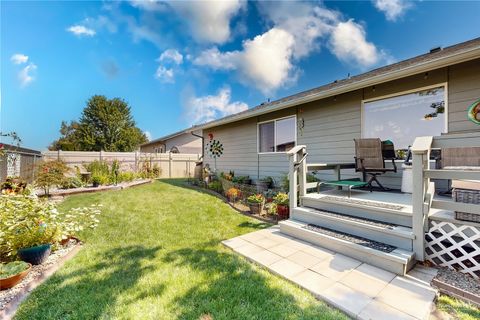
(96, 180)
(233, 194)
(34, 246)
(12, 273)
(256, 203)
(281, 200)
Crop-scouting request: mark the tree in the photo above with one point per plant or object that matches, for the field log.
(105, 124)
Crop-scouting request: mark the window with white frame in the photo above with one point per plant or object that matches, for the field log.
(404, 117)
(278, 135)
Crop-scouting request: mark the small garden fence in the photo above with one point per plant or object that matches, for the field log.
(172, 165)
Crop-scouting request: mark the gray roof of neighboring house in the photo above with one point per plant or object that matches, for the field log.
(458, 53)
(172, 135)
(11, 147)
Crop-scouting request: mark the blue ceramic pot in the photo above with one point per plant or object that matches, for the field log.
(35, 255)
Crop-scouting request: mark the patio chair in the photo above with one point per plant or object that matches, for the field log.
(370, 160)
(463, 158)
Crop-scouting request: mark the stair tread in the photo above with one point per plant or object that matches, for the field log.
(380, 248)
(353, 202)
(353, 218)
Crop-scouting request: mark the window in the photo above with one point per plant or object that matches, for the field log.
(277, 135)
(404, 117)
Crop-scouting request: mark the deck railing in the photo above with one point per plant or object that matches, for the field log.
(424, 190)
(297, 174)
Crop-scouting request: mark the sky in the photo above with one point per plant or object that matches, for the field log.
(181, 63)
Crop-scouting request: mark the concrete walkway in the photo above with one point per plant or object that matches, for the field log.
(358, 289)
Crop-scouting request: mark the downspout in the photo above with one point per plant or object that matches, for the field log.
(203, 142)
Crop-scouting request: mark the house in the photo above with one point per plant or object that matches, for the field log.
(17, 161)
(424, 102)
(185, 141)
(427, 95)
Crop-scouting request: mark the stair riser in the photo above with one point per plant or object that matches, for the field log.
(337, 246)
(374, 214)
(354, 229)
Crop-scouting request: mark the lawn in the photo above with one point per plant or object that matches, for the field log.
(157, 255)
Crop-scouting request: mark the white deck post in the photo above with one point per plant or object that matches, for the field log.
(302, 174)
(292, 195)
(420, 159)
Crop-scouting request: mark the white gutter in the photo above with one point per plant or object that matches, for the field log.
(455, 58)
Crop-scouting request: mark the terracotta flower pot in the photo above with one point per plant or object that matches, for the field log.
(35, 255)
(256, 208)
(283, 211)
(12, 281)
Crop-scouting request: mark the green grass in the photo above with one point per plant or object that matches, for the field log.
(458, 309)
(157, 255)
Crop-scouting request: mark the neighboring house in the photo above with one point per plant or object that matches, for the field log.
(17, 161)
(185, 141)
(423, 96)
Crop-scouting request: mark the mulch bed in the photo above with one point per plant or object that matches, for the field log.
(458, 285)
(11, 298)
(239, 207)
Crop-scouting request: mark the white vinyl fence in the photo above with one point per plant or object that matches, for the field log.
(173, 165)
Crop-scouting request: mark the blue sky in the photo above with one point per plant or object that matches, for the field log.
(182, 63)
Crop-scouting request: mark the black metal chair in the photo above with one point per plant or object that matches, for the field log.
(370, 156)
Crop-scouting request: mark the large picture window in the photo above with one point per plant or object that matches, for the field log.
(404, 117)
(277, 135)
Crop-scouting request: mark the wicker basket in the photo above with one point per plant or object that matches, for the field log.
(466, 196)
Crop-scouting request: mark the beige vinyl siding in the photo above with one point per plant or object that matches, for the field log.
(239, 147)
(331, 124)
(463, 90)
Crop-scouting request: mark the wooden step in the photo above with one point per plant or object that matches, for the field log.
(392, 259)
(359, 208)
(388, 233)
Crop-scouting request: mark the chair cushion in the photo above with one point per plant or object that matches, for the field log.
(466, 184)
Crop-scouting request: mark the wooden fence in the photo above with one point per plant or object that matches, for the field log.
(173, 165)
(18, 163)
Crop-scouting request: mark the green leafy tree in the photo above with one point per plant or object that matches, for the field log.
(105, 124)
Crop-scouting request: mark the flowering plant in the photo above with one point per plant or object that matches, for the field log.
(27, 221)
(281, 199)
(233, 193)
(256, 198)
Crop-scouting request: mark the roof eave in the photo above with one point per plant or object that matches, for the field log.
(374, 80)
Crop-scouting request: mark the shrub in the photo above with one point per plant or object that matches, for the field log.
(99, 168)
(281, 199)
(215, 186)
(27, 221)
(99, 179)
(241, 179)
(126, 176)
(149, 171)
(50, 174)
(71, 183)
(256, 198)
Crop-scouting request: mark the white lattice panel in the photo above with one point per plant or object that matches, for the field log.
(455, 246)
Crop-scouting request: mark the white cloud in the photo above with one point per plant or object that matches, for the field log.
(19, 58)
(26, 75)
(80, 30)
(211, 107)
(165, 75)
(305, 21)
(171, 55)
(209, 21)
(268, 61)
(149, 5)
(265, 60)
(393, 9)
(217, 60)
(348, 42)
